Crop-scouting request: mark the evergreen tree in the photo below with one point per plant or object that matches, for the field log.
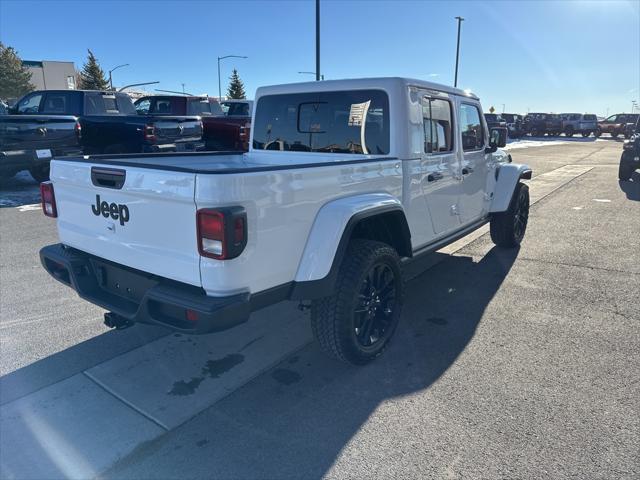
(92, 77)
(236, 87)
(15, 79)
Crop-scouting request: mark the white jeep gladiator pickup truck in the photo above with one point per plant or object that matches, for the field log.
(345, 181)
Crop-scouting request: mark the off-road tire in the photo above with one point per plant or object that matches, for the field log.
(333, 318)
(625, 171)
(597, 133)
(569, 132)
(40, 173)
(508, 228)
(614, 134)
(586, 134)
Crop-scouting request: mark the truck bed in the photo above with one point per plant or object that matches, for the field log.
(213, 162)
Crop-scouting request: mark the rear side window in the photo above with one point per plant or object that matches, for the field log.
(355, 121)
(163, 106)
(57, 103)
(438, 125)
(590, 117)
(471, 127)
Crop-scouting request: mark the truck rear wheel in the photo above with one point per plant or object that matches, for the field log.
(568, 132)
(508, 228)
(625, 170)
(356, 323)
(585, 134)
(614, 134)
(40, 173)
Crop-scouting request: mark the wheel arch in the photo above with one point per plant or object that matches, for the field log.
(507, 177)
(371, 216)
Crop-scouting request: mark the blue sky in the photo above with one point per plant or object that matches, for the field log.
(578, 55)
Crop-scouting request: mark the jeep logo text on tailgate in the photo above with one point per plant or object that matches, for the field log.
(116, 211)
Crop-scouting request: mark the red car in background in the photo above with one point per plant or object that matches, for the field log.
(222, 131)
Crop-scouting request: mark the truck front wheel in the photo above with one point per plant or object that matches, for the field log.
(625, 170)
(507, 228)
(356, 323)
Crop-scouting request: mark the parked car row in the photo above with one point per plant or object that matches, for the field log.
(569, 124)
(53, 123)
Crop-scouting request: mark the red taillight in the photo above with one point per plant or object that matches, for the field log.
(222, 233)
(48, 200)
(78, 130)
(149, 132)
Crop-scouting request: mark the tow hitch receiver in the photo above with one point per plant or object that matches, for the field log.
(113, 320)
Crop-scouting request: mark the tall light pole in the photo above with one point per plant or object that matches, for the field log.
(222, 58)
(634, 104)
(455, 81)
(317, 40)
(113, 70)
(313, 73)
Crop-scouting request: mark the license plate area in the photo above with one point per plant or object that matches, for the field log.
(44, 154)
(122, 282)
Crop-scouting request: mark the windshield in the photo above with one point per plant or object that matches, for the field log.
(331, 122)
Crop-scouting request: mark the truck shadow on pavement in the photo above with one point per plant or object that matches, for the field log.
(297, 419)
(631, 189)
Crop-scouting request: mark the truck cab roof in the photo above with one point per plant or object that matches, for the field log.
(385, 83)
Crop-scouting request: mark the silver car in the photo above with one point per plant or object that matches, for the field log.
(584, 123)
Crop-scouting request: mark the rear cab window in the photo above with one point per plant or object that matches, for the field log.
(471, 127)
(236, 109)
(108, 104)
(348, 122)
(202, 106)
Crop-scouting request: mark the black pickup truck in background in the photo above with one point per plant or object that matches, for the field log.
(102, 122)
(29, 142)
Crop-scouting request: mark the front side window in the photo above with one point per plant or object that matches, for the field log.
(471, 127)
(355, 122)
(438, 125)
(611, 119)
(30, 104)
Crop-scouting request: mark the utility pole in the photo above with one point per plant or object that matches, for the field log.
(317, 40)
(113, 70)
(313, 73)
(460, 20)
(222, 58)
(183, 88)
(503, 108)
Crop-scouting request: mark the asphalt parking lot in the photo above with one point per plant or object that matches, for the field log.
(509, 364)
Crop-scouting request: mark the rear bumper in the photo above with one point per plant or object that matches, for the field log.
(24, 159)
(142, 297)
(176, 147)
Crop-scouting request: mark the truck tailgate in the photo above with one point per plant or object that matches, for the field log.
(147, 223)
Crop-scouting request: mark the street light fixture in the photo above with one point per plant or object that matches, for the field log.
(313, 73)
(113, 70)
(222, 58)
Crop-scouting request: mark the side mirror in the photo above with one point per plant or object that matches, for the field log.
(497, 139)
